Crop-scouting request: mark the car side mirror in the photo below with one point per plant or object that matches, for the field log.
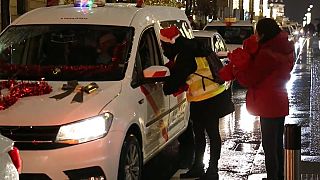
(156, 73)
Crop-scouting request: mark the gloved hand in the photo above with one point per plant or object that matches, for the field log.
(226, 73)
(169, 64)
(181, 89)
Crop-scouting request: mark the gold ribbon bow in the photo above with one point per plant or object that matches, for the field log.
(73, 86)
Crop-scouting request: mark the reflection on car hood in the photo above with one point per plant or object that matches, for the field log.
(44, 111)
(5, 144)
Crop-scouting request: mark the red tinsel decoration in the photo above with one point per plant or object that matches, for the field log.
(68, 72)
(21, 89)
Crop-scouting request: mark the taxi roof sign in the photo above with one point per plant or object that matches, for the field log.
(89, 3)
(230, 19)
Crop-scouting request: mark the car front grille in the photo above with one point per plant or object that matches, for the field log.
(32, 137)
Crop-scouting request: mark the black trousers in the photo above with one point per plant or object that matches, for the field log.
(272, 142)
(204, 122)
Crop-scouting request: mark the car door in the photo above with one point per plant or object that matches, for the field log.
(178, 104)
(156, 108)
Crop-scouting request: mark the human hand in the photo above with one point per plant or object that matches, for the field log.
(226, 73)
(169, 64)
(181, 89)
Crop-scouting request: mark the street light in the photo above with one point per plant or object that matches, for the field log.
(271, 9)
(304, 22)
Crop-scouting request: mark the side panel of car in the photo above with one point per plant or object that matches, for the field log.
(157, 109)
(178, 104)
(152, 113)
(162, 121)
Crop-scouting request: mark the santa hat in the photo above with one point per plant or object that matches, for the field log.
(169, 34)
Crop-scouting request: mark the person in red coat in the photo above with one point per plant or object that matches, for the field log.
(265, 70)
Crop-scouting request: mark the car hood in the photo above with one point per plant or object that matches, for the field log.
(232, 47)
(44, 110)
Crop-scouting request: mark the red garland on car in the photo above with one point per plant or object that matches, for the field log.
(68, 72)
(17, 90)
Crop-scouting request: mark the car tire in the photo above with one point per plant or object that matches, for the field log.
(130, 165)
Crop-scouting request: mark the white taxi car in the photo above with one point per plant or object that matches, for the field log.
(233, 31)
(214, 41)
(74, 117)
(10, 161)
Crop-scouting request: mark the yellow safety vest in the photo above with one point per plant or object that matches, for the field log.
(200, 87)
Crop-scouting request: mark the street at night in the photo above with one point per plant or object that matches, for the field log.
(242, 155)
(139, 89)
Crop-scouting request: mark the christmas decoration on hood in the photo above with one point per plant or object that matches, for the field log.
(17, 90)
(73, 86)
(49, 72)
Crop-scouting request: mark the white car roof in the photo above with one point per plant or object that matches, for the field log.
(204, 33)
(118, 14)
(237, 23)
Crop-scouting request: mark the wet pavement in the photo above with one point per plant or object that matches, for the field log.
(242, 156)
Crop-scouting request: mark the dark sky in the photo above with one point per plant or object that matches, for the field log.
(295, 9)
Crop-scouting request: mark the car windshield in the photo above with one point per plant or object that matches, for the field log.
(233, 34)
(65, 52)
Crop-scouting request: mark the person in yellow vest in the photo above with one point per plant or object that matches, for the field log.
(208, 99)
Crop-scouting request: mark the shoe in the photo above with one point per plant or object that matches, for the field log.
(193, 173)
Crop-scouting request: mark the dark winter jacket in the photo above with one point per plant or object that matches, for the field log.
(266, 78)
(184, 51)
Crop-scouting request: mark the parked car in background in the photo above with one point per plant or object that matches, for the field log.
(214, 41)
(84, 119)
(10, 161)
(233, 31)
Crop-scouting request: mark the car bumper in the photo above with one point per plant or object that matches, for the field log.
(103, 153)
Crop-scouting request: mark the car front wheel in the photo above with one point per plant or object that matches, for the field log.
(130, 165)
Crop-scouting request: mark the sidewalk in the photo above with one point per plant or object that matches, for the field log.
(310, 141)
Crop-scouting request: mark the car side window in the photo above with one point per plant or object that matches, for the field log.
(148, 54)
(215, 43)
(222, 45)
(149, 49)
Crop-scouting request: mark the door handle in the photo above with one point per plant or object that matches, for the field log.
(141, 101)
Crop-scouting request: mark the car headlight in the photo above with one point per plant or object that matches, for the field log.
(85, 130)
